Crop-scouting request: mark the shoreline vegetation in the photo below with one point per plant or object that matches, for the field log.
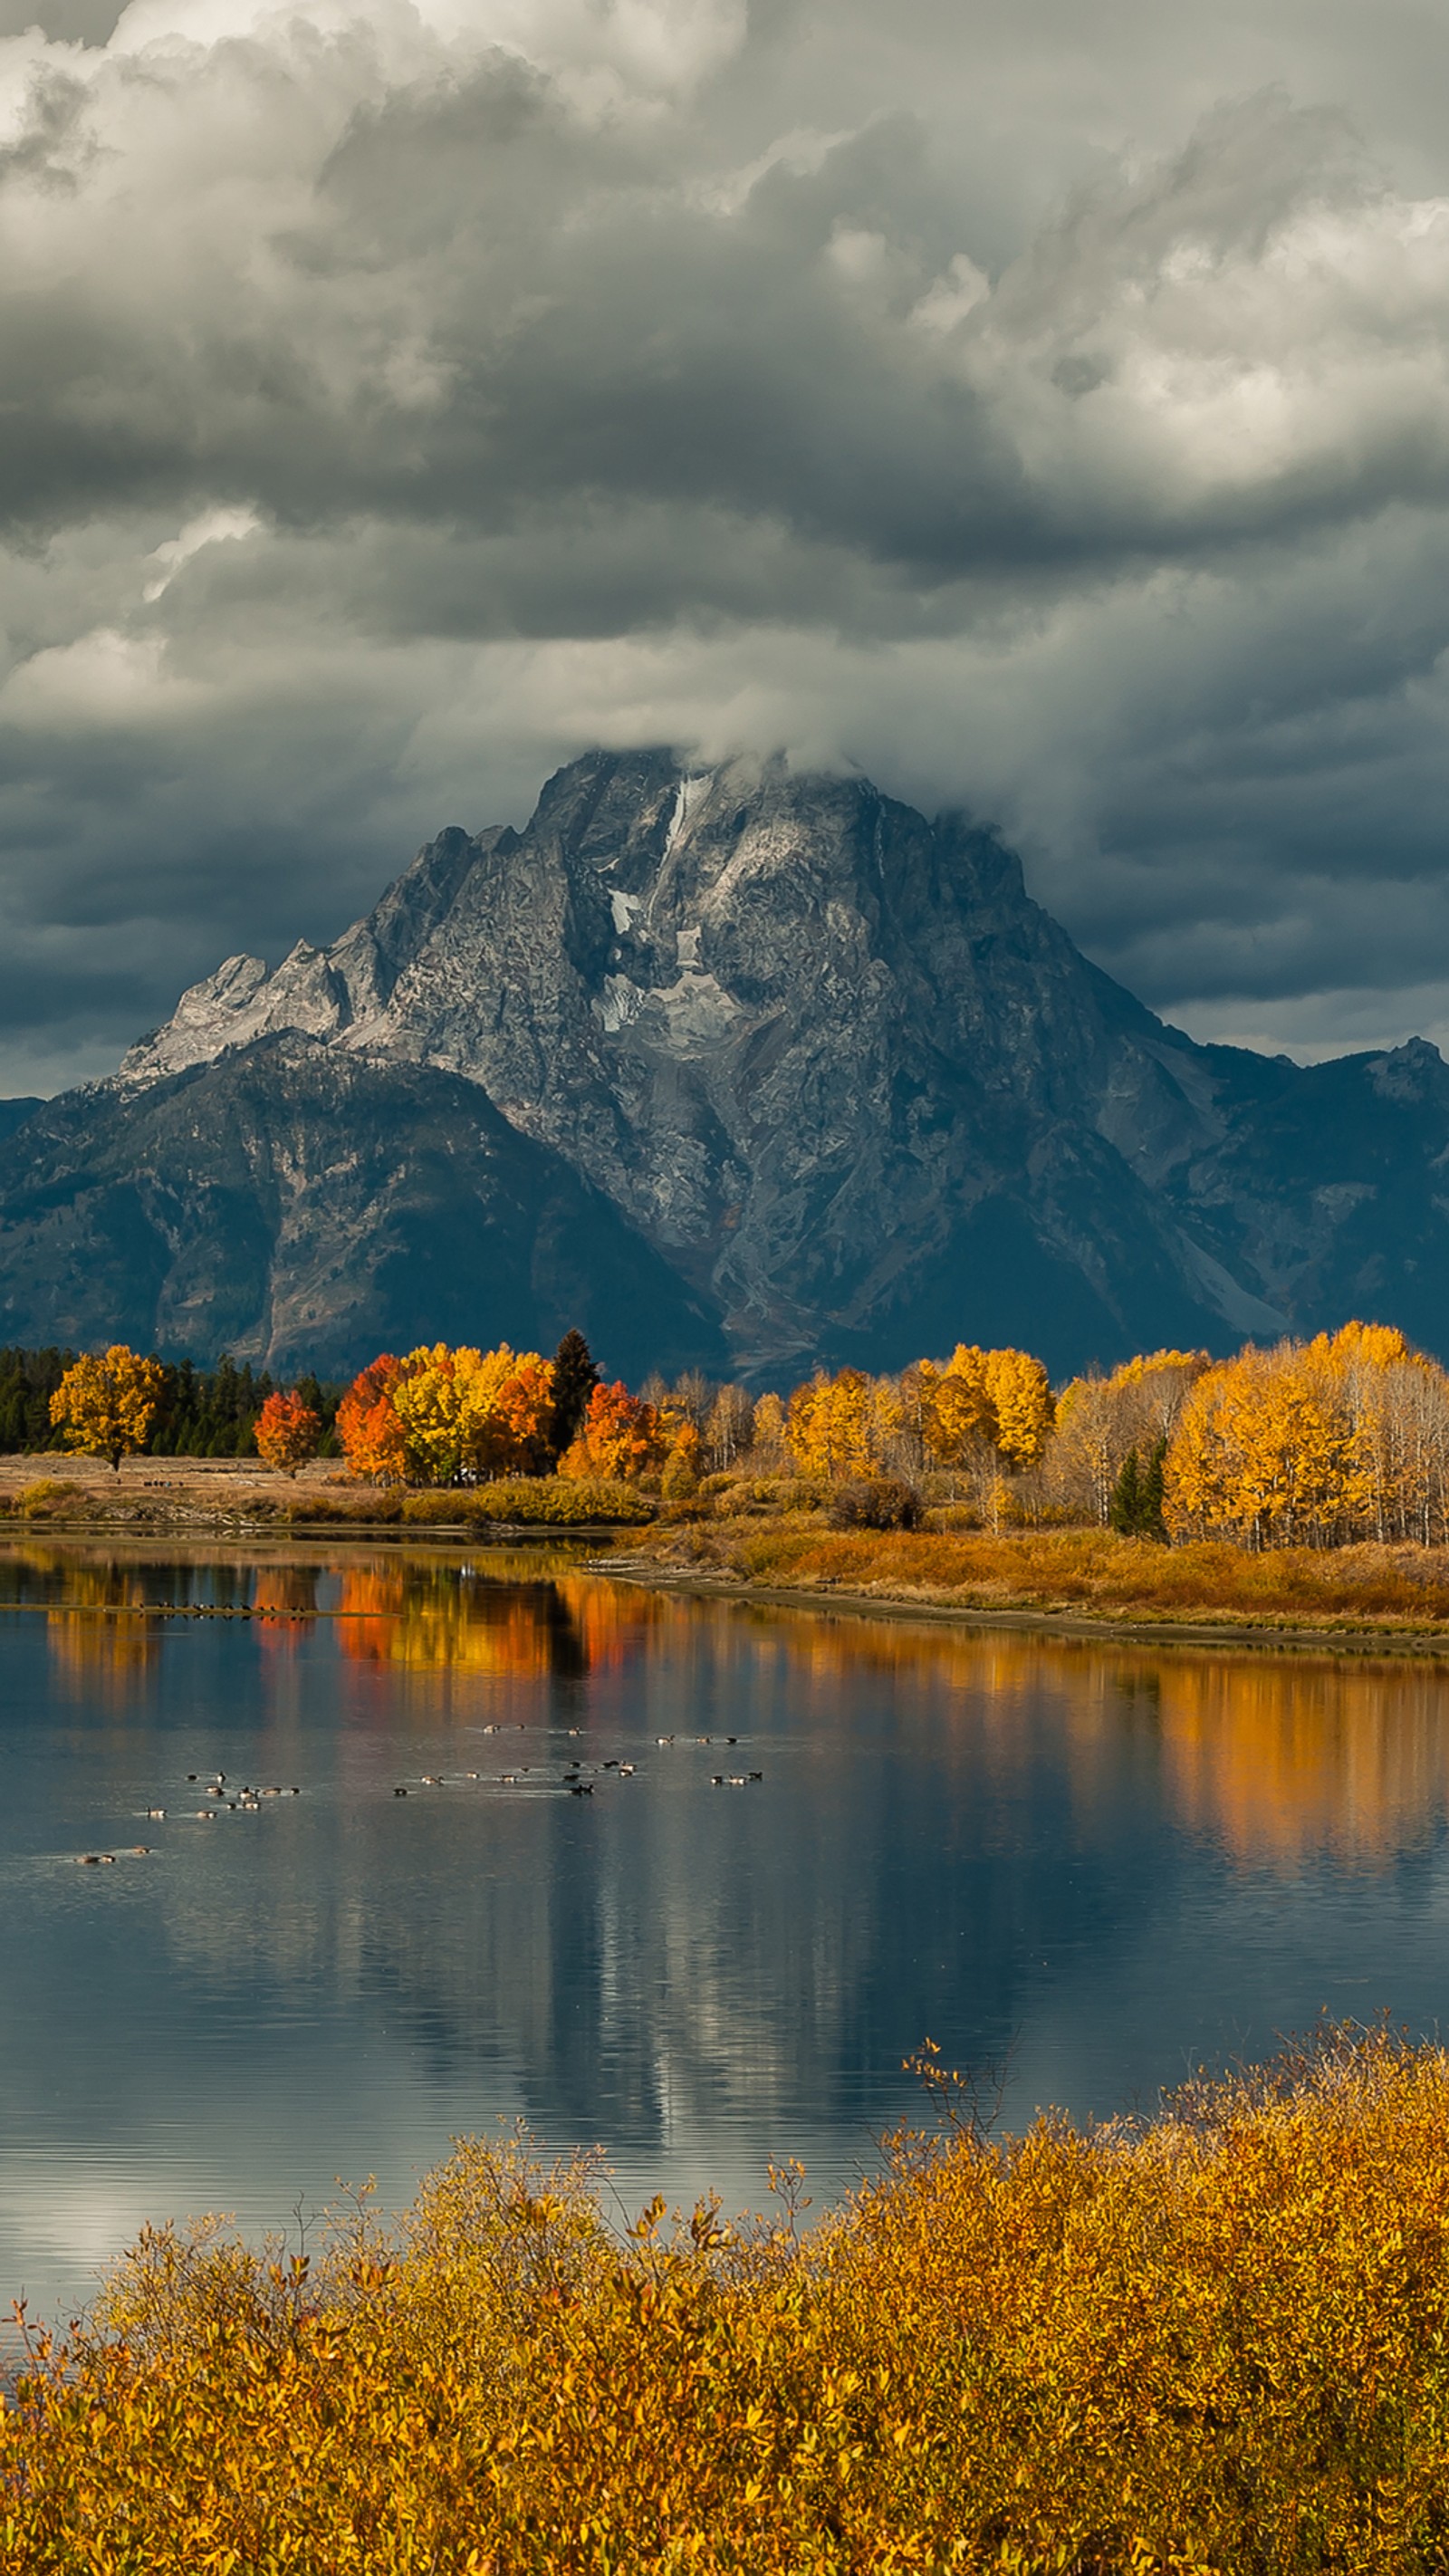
(1299, 1491)
(1191, 2345)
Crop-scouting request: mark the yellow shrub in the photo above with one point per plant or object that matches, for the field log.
(1219, 2342)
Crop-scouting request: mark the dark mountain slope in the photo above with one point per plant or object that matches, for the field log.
(296, 1206)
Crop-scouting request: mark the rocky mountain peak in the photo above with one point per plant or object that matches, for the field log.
(834, 1067)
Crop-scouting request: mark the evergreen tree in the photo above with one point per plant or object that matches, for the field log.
(1135, 1510)
(575, 1376)
(1126, 1500)
(1150, 1520)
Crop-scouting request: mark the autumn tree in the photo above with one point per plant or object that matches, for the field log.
(287, 1431)
(1100, 1420)
(730, 1428)
(1346, 1436)
(373, 1440)
(620, 1436)
(681, 1468)
(767, 1434)
(846, 1425)
(984, 1411)
(106, 1402)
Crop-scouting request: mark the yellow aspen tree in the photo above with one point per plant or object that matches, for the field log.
(958, 1416)
(1021, 1400)
(429, 1400)
(767, 1432)
(106, 1403)
(681, 1468)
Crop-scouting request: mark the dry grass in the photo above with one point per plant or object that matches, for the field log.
(1085, 1571)
(1217, 2346)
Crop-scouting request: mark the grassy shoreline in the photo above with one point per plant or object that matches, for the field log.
(1086, 1582)
(1211, 2342)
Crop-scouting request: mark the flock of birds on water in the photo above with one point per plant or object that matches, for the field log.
(243, 1799)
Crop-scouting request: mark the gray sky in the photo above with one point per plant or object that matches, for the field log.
(1043, 408)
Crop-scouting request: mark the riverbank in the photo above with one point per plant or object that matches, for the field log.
(1212, 2341)
(1080, 1582)
(1086, 1582)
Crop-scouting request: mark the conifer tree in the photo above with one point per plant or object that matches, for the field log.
(1126, 1502)
(575, 1377)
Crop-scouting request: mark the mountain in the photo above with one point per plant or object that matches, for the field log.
(819, 1068)
(13, 1113)
(309, 1208)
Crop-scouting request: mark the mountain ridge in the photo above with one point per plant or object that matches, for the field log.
(830, 1067)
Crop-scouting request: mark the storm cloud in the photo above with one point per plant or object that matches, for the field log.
(1045, 410)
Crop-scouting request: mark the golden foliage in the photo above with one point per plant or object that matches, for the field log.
(445, 1417)
(996, 1401)
(1214, 2343)
(106, 1403)
(1346, 1436)
(843, 1425)
(1100, 1419)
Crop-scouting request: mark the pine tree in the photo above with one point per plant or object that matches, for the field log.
(1135, 1510)
(575, 1377)
(1150, 1522)
(1124, 1509)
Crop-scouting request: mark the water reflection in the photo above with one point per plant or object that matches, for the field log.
(1108, 1861)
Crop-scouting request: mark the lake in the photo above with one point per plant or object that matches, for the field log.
(1091, 1866)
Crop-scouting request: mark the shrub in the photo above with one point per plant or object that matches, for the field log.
(553, 1502)
(1215, 2341)
(54, 1498)
(875, 1502)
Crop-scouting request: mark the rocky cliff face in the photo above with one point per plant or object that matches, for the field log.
(304, 1208)
(828, 1065)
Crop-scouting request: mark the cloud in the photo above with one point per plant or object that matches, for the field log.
(1043, 412)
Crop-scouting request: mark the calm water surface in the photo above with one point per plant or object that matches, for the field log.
(1100, 1865)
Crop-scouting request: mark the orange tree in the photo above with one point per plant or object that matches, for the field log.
(106, 1403)
(373, 1441)
(287, 1432)
(621, 1436)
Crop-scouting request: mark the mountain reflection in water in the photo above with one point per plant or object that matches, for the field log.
(1097, 1863)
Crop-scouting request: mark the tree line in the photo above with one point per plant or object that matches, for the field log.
(196, 1412)
(1315, 1443)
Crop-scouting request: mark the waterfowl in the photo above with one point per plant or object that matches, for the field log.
(399, 1793)
(155, 1814)
(581, 1789)
(626, 1770)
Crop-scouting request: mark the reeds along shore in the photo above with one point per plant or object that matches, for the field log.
(1218, 2342)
